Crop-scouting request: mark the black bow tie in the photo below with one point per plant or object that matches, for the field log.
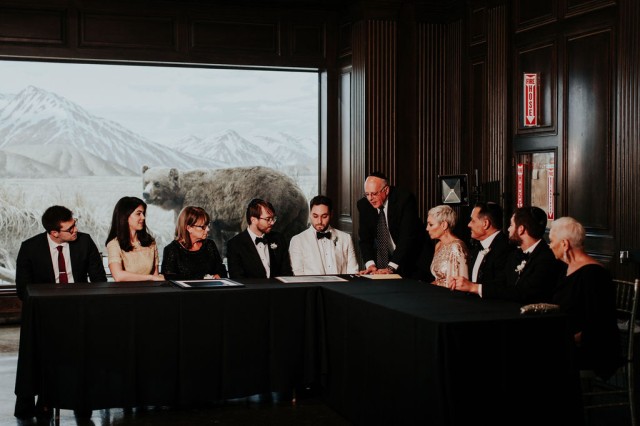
(522, 255)
(261, 240)
(321, 235)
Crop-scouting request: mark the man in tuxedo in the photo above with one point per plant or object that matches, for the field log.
(322, 249)
(531, 271)
(257, 252)
(60, 255)
(489, 256)
(390, 231)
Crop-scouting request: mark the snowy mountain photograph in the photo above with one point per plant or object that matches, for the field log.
(79, 135)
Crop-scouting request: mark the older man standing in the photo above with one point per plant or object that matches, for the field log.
(391, 232)
(322, 249)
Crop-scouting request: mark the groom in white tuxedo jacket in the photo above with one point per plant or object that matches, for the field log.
(321, 249)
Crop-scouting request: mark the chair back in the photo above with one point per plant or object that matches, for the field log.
(627, 307)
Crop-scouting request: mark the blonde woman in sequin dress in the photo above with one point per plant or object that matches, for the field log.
(450, 257)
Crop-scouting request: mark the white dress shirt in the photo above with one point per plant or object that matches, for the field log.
(263, 252)
(53, 251)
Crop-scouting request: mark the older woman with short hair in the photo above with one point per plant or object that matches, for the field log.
(191, 255)
(587, 294)
(450, 257)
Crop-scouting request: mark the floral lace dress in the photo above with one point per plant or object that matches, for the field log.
(449, 260)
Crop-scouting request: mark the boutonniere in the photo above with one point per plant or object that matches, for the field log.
(273, 246)
(335, 241)
(485, 251)
(520, 267)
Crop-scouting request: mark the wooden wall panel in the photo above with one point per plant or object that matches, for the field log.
(542, 59)
(588, 131)
(27, 26)
(380, 95)
(308, 40)
(247, 37)
(122, 31)
(627, 150)
(440, 108)
(531, 14)
(578, 7)
(495, 164)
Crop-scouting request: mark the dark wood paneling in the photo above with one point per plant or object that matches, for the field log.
(477, 24)
(478, 116)
(344, 39)
(27, 26)
(627, 140)
(117, 31)
(248, 37)
(348, 192)
(495, 153)
(588, 139)
(308, 40)
(578, 7)
(530, 14)
(541, 59)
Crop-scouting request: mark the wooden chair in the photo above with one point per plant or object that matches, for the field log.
(598, 393)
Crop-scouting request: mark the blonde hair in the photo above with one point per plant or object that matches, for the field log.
(444, 213)
(189, 216)
(567, 228)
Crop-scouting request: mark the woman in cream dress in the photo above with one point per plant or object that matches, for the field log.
(132, 251)
(450, 257)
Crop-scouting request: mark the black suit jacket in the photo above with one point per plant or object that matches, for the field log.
(534, 284)
(34, 265)
(493, 263)
(404, 224)
(244, 261)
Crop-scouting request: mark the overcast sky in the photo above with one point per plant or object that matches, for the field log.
(166, 104)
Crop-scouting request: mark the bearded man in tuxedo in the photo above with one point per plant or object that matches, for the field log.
(531, 270)
(322, 249)
(257, 252)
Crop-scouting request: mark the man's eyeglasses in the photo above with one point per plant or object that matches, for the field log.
(271, 220)
(71, 228)
(375, 194)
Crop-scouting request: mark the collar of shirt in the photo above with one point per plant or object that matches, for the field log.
(385, 205)
(254, 236)
(487, 241)
(532, 248)
(53, 244)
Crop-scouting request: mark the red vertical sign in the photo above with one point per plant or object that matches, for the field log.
(530, 99)
(550, 192)
(520, 186)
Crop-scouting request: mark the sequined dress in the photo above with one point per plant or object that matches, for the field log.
(449, 260)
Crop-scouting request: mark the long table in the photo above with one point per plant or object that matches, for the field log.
(385, 351)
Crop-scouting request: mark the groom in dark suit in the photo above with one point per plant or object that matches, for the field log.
(60, 255)
(489, 255)
(390, 231)
(257, 252)
(531, 270)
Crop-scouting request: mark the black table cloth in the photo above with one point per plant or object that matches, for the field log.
(386, 351)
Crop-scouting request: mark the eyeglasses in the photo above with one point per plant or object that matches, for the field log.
(203, 227)
(71, 228)
(269, 219)
(374, 194)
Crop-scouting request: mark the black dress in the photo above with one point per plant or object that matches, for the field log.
(588, 296)
(179, 263)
